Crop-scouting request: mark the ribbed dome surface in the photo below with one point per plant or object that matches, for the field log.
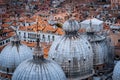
(92, 37)
(110, 46)
(105, 51)
(73, 53)
(39, 70)
(71, 25)
(99, 48)
(12, 55)
(116, 72)
(99, 55)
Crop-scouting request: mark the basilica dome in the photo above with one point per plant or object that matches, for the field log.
(100, 50)
(12, 55)
(110, 46)
(116, 72)
(38, 68)
(73, 52)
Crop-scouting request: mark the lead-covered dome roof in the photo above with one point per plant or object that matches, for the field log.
(92, 37)
(72, 52)
(99, 53)
(92, 24)
(38, 68)
(100, 48)
(97, 42)
(116, 72)
(12, 55)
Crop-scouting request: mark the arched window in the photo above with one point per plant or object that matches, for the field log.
(3, 43)
(53, 38)
(24, 35)
(49, 38)
(19, 33)
(0, 43)
(6, 41)
(43, 38)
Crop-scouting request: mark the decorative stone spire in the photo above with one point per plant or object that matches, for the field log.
(38, 52)
(16, 38)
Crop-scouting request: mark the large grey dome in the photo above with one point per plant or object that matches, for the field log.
(12, 55)
(116, 72)
(99, 48)
(73, 53)
(38, 68)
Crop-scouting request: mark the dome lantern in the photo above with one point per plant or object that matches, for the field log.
(71, 25)
(97, 25)
(90, 30)
(38, 53)
(16, 41)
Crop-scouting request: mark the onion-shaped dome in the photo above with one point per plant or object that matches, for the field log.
(96, 25)
(71, 25)
(98, 44)
(116, 72)
(12, 55)
(72, 52)
(38, 68)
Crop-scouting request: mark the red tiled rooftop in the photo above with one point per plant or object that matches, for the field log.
(5, 25)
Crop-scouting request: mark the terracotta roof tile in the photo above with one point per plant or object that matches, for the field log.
(7, 30)
(59, 31)
(22, 28)
(49, 28)
(5, 25)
